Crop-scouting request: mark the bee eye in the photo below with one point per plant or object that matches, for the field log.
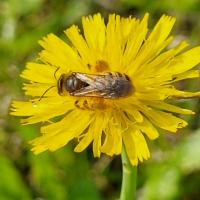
(71, 84)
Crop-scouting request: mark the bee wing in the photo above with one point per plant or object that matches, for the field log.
(96, 86)
(89, 92)
(84, 91)
(87, 78)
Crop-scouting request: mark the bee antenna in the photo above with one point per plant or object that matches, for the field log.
(46, 92)
(56, 72)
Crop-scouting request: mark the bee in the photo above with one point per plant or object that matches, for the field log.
(110, 85)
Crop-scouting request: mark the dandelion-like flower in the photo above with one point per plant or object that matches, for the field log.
(122, 48)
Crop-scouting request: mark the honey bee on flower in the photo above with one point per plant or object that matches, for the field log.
(114, 80)
(108, 85)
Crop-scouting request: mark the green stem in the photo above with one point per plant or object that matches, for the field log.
(129, 179)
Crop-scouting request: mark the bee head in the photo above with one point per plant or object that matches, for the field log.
(69, 83)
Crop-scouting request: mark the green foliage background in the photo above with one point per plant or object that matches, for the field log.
(173, 172)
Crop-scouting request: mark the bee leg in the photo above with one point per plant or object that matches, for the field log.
(83, 105)
(76, 103)
(89, 66)
(86, 105)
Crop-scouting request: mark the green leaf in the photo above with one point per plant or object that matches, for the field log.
(12, 186)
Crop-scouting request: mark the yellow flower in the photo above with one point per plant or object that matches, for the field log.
(123, 45)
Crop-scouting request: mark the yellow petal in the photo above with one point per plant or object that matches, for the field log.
(58, 135)
(117, 135)
(131, 110)
(186, 75)
(41, 111)
(108, 145)
(59, 54)
(165, 120)
(40, 73)
(86, 140)
(127, 25)
(94, 32)
(130, 147)
(141, 146)
(169, 107)
(65, 123)
(157, 70)
(135, 145)
(40, 90)
(113, 52)
(155, 43)
(97, 132)
(152, 94)
(185, 61)
(113, 140)
(183, 94)
(134, 115)
(162, 29)
(147, 128)
(136, 37)
(80, 44)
